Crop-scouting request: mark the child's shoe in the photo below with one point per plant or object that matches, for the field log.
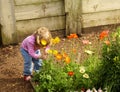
(27, 77)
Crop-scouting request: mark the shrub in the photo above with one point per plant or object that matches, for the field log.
(110, 69)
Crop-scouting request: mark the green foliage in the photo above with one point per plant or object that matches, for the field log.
(55, 77)
(93, 64)
(100, 69)
(110, 69)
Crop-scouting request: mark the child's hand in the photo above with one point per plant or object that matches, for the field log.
(44, 56)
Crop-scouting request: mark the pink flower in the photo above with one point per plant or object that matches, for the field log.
(86, 42)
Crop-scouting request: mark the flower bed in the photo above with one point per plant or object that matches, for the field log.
(65, 71)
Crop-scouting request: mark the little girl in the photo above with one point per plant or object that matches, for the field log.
(30, 50)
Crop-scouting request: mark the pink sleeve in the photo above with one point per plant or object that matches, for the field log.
(31, 50)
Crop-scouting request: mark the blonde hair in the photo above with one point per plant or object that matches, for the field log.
(42, 34)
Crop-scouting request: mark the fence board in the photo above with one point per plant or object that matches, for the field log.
(39, 11)
(25, 2)
(7, 22)
(28, 26)
(99, 5)
(73, 23)
(101, 18)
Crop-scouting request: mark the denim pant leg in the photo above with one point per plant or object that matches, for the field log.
(27, 62)
(37, 62)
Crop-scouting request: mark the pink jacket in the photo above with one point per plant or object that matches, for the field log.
(29, 45)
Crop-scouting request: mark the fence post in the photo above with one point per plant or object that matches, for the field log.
(73, 9)
(7, 20)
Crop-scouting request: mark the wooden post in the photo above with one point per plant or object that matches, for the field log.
(7, 20)
(73, 16)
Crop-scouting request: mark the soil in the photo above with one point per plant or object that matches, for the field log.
(11, 67)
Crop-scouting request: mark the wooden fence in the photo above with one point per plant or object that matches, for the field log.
(19, 18)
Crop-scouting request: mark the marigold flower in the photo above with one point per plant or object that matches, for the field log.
(65, 55)
(103, 34)
(55, 52)
(58, 56)
(70, 73)
(67, 60)
(86, 75)
(72, 36)
(49, 51)
(56, 40)
(69, 37)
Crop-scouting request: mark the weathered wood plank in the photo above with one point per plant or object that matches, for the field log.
(101, 18)
(99, 5)
(28, 26)
(7, 22)
(40, 10)
(73, 23)
(25, 2)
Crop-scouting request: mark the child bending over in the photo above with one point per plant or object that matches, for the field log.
(30, 50)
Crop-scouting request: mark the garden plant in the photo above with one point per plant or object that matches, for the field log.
(65, 71)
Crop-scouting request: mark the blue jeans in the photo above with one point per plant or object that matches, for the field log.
(30, 63)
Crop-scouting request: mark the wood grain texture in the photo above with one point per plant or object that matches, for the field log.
(39, 11)
(52, 23)
(101, 18)
(89, 6)
(27, 2)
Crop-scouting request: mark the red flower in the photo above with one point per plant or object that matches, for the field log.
(103, 34)
(70, 73)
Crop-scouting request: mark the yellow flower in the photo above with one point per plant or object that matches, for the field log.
(43, 42)
(55, 52)
(82, 70)
(86, 75)
(56, 40)
(50, 51)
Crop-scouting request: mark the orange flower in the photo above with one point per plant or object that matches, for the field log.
(103, 34)
(65, 55)
(69, 37)
(67, 60)
(70, 73)
(72, 36)
(74, 50)
(107, 42)
(58, 56)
